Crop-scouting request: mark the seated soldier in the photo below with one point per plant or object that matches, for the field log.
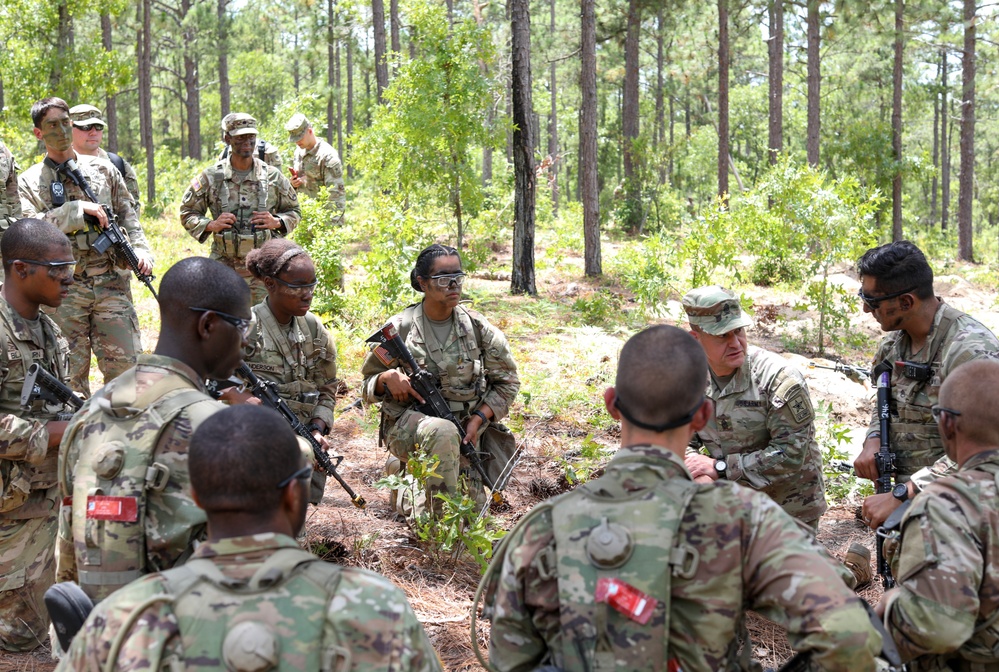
(250, 598)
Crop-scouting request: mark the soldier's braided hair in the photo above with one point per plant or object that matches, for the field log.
(898, 267)
(272, 257)
(425, 262)
(237, 457)
(32, 239)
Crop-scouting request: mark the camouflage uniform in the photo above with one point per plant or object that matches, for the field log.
(764, 429)
(301, 358)
(99, 313)
(357, 617)
(733, 549)
(10, 203)
(28, 494)
(944, 614)
(171, 520)
(321, 168)
(955, 338)
(130, 176)
(474, 366)
(219, 190)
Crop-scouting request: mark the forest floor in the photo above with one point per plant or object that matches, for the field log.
(564, 364)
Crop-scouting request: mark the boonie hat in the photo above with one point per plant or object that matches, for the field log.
(715, 310)
(242, 124)
(297, 126)
(86, 115)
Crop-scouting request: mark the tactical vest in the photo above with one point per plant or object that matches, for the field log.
(112, 479)
(604, 532)
(300, 393)
(18, 479)
(913, 428)
(237, 242)
(255, 614)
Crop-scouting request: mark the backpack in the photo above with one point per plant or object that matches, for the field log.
(118, 162)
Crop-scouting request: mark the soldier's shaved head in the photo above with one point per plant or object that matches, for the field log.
(203, 283)
(660, 376)
(970, 390)
(237, 458)
(31, 239)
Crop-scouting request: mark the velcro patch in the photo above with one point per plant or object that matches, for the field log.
(383, 356)
(801, 410)
(120, 509)
(196, 183)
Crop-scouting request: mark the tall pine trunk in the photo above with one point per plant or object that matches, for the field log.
(629, 118)
(522, 278)
(588, 185)
(146, 97)
(966, 183)
(945, 140)
(896, 127)
(225, 91)
(723, 66)
(111, 103)
(381, 66)
(553, 117)
(814, 84)
(775, 142)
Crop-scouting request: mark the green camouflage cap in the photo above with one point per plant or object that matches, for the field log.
(86, 115)
(242, 124)
(715, 310)
(297, 126)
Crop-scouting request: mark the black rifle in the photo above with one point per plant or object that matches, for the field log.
(856, 373)
(265, 391)
(40, 384)
(885, 461)
(112, 235)
(434, 404)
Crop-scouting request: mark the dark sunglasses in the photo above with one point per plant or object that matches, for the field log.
(303, 474)
(874, 301)
(242, 324)
(91, 127)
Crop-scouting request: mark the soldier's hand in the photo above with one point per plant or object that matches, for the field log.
(297, 180)
(877, 508)
(224, 221)
(97, 211)
(234, 395)
(264, 220)
(398, 385)
(866, 465)
(145, 264)
(701, 465)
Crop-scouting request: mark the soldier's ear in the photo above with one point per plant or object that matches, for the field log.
(703, 415)
(610, 394)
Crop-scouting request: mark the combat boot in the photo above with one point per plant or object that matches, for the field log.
(858, 561)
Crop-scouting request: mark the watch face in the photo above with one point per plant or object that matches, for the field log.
(901, 492)
(721, 466)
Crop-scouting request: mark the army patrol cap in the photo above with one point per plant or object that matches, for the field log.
(297, 126)
(242, 124)
(715, 310)
(226, 120)
(86, 115)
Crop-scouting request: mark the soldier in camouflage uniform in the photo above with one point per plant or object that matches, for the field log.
(643, 569)
(99, 314)
(289, 345)
(763, 432)
(897, 289)
(129, 442)
(250, 598)
(39, 264)
(316, 164)
(88, 132)
(10, 202)
(944, 612)
(469, 356)
(265, 151)
(250, 203)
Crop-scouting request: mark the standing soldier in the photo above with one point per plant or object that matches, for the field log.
(10, 202)
(88, 133)
(39, 266)
(266, 152)
(644, 569)
(926, 340)
(99, 314)
(943, 612)
(250, 203)
(316, 164)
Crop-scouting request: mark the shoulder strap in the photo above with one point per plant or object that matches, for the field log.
(118, 162)
(261, 149)
(407, 320)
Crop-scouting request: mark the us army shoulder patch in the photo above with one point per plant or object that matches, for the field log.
(800, 407)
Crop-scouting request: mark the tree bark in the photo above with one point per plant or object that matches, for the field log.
(64, 51)
(966, 183)
(553, 117)
(381, 65)
(936, 145)
(896, 126)
(723, 66)
(522, 278)
(146, 97)
(814, 84)
(587, 171)
(331, 75)
(395, 26)
(350, 100)
(339, 107)
(944, 147)
(110, 104)
(776, 60)
(225, 91)
(629, 118)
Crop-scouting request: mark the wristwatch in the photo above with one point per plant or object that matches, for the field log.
(722, 468)
(901, 492)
